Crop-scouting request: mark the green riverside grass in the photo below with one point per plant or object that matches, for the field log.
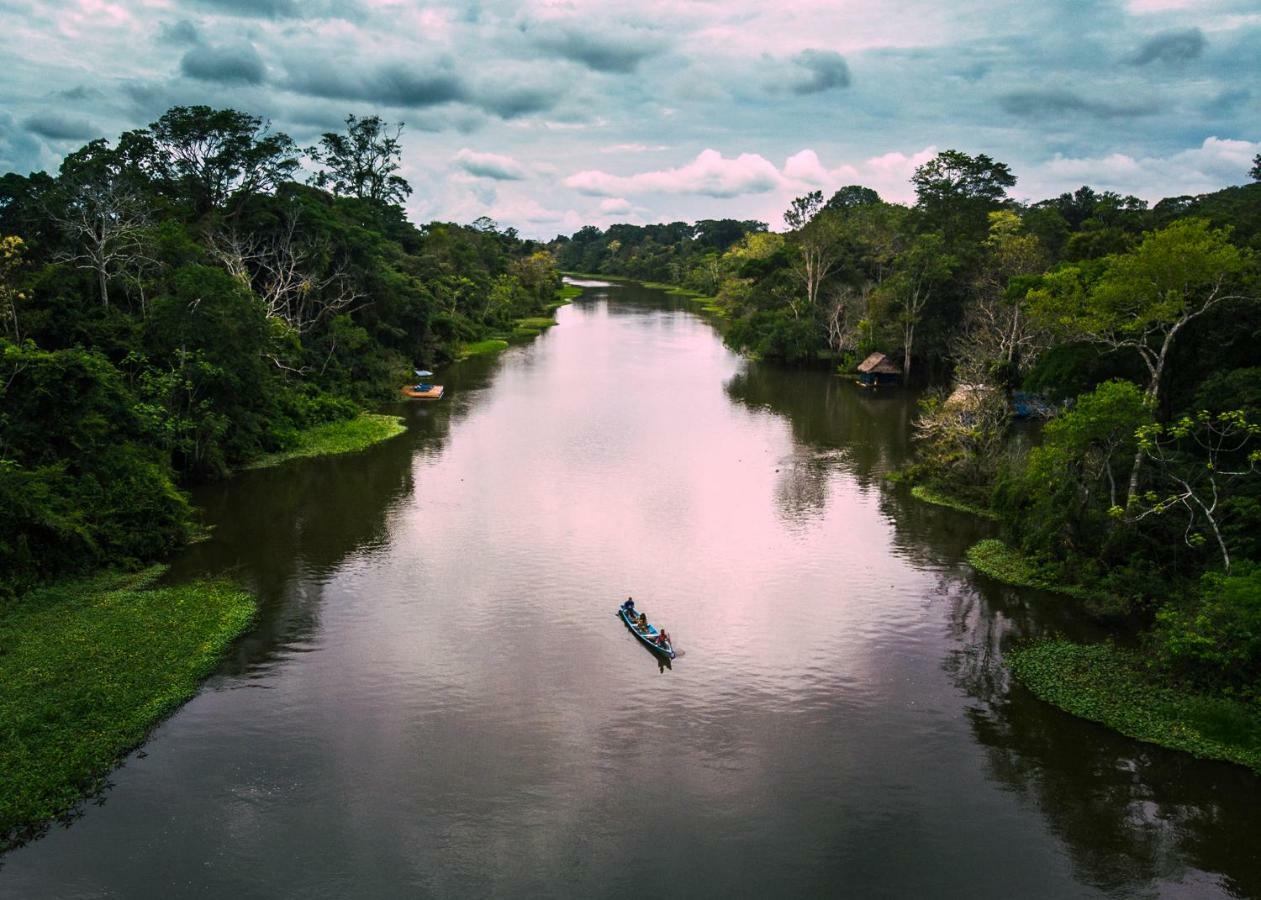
(342, 436)
(481, 348)
(88, 667)
(994, 558)
(1108, 685)
(928, 495)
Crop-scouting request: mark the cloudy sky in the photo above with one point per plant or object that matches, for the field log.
(550, 114)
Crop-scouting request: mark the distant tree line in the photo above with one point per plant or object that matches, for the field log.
(178, 301)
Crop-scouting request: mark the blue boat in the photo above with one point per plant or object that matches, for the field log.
(648, 636)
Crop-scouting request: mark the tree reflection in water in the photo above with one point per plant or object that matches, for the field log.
(1132, 816)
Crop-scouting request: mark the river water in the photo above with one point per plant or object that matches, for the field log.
(438, 700)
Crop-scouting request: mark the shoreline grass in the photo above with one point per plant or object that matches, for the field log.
(928, 495)
(994, 558)
(332, 438)
(564, 294)
(1108, 685)
(481, 348)
(89, 667)
(594, 276)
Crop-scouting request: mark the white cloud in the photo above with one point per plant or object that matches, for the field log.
(632, 148)
(1197, 170)
(615, 205)
(710, 174)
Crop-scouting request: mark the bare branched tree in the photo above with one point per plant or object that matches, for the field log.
(1199, 456)
(289, 273)
(105, 219)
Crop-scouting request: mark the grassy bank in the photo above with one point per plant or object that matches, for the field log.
(87, 668)
(564, 294)
(343, 436)
(928, 495)
(1003, 563)
(1108, 685)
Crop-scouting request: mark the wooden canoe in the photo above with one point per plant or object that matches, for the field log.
(648, 636)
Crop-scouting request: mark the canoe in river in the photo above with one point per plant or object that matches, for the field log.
(423, 391)
(648, 636)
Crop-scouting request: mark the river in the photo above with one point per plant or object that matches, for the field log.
(438, 700)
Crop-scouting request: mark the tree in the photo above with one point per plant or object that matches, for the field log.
(1255, 171)
(99, 206)
(291, 271)
(1200, 455)
(1145, 298)
(11, 247)
(212, 156)
(919, 271)
(998, 340)
(818, 238)
(362, 161)
(851, 196)
(955, 191)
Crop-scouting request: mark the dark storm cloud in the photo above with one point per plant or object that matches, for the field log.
(19, 152)
(265, 9)
(825, 70)
(1057, 102)
(403, 85)
(57, 127)
(393, 85)
(181, 32)
(616, 51)
(80, 92)
(516, 101)
(239, 64)
(1171, 47)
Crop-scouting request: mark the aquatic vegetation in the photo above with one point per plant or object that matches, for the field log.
(938, 498)
(1109, 685)
(88, 668)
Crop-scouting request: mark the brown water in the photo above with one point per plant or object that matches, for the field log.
(439, 701)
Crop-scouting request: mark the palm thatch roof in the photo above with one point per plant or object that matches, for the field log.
(879, 364)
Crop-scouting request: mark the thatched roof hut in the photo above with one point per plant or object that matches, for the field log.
(879, 364)
(878, 369)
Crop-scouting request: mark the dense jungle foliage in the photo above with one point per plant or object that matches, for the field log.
(1134, 328)
(179, 302)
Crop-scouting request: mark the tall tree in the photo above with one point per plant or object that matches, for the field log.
(103, 212)
(999, 341)
(1145, 298)
(956, 192)
(1255, 171)
(363, 161)
(11, 247)
(919, 272)
(818, 236)
(214, 156)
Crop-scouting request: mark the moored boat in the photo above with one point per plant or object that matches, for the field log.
(656, 641)
(423, 391)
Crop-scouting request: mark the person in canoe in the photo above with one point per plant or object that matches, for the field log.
(629, 607)
(642, 622)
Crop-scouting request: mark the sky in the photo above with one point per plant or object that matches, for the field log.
(548, 115)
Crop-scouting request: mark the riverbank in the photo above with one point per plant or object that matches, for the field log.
(88, 668)
(332, 438)
(937, 498)
(523, 329)
(1006, 564)
(1108, 685)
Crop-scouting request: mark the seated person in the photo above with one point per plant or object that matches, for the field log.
(642, 622)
